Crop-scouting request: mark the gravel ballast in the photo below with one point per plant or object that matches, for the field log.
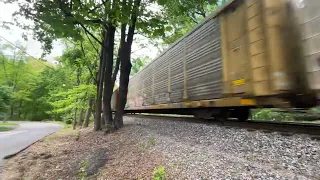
(187, 150)
(202, 151)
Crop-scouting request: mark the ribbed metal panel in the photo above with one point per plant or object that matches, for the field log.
(161, 74)
(204, 67)
(309, 14)
(162, 81)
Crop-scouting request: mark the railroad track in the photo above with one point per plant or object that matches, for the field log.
(285, 128)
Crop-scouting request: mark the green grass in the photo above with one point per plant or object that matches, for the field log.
(7, 126)
(65, 126)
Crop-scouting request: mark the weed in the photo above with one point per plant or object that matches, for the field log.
(159, 173)
(107, 128)
(144, 146)
(82, 171)
(147, 145)
(152, 141)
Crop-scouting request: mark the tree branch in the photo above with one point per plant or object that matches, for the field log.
(82, 49)
(202, 13)
(94, 47)
(95, 8)
(87, 31)
(193, 19)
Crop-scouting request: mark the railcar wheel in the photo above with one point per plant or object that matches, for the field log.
(242, 114)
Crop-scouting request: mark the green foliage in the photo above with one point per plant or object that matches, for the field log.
(20, 73)
(65, 101)
(82, 171)
(37, 90)
(183, 15)
(107, 128)
(68, 121)
(276, 114)
(271, 114)
(152, 140)
(159, 173)
(138, 64)
(5, 98)
(146, 145)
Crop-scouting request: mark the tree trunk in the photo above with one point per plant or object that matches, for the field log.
(74, 125)
(93, 110)
(125, 68)
(20, 109)
(123, 89)
(25, 115)
(80, 118)
(11, 113)
(88, 114)
(100, 79)
(108, 88)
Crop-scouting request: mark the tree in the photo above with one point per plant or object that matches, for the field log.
(4, 101)
(70, 19)
(19, 72)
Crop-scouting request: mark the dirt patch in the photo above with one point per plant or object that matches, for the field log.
(117, 155)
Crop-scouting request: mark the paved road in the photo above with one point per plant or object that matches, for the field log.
(24, 135)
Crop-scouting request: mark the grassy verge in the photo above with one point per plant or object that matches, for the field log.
(7, 126)
(65, 126)
(67, 129)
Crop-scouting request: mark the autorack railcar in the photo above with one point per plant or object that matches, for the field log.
(247, 54)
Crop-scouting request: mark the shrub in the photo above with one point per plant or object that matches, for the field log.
(68, 121)
(270, 114)
(159, 173)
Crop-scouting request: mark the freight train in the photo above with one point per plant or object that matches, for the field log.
(246, 54)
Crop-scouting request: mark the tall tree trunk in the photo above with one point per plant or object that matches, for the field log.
(123, 89)
(125, 68)
(100, 79)
(88, 114)
(108, 88)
